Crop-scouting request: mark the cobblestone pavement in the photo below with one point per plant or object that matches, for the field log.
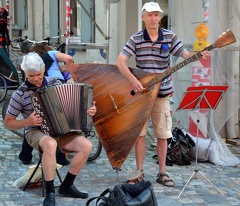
(98, 175)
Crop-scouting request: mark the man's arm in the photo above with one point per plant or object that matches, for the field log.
(187, 54)
(67, 59)
(11, 123)
(123, 68)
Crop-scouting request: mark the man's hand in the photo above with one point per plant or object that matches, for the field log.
(64, 68)
(137, 86)
(92, 110)
(205, 54)
(34, 119)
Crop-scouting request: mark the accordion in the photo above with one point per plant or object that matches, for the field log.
(63, 108)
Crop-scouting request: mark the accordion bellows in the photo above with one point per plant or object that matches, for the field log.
(64, 107)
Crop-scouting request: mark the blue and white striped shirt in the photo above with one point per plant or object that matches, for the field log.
(20, 102)
(154, 57)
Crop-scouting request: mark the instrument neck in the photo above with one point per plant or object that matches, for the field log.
(170, 70)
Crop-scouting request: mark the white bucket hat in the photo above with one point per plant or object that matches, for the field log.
(151, 6)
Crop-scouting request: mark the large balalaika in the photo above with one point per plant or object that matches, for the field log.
(122, 113)
(63, 108)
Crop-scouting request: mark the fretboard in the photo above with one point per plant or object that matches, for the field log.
(173, 69)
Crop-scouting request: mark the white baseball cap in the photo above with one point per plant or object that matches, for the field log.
(151, 6)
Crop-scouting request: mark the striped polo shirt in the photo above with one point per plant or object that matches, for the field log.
(154, 56)
(20, 102)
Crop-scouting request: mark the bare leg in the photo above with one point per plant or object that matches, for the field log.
(82, 146)
(162, 152)
(140, 149)
(49, 147)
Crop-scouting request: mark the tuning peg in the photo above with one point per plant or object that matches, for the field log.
(223, 33)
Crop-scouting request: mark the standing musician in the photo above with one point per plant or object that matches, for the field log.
(20, 102)
(152, 48)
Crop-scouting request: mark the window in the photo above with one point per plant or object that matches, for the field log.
(82, 21)
(19, 16)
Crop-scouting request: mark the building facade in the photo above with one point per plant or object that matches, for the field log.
(99, 29)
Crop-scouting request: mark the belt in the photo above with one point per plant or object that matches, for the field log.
(162, 95)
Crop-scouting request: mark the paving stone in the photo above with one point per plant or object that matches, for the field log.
(98, 175)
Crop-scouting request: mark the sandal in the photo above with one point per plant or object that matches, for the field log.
(163, 178)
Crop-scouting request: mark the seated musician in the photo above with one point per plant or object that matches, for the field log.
(52, 60)
(20, 102)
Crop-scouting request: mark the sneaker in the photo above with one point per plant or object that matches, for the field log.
(26, 162)
(71, 191)
(49, 200)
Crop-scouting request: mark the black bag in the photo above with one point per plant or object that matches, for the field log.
(139, 194)
(178, 151)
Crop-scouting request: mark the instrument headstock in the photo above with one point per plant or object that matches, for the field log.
(225, 39)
